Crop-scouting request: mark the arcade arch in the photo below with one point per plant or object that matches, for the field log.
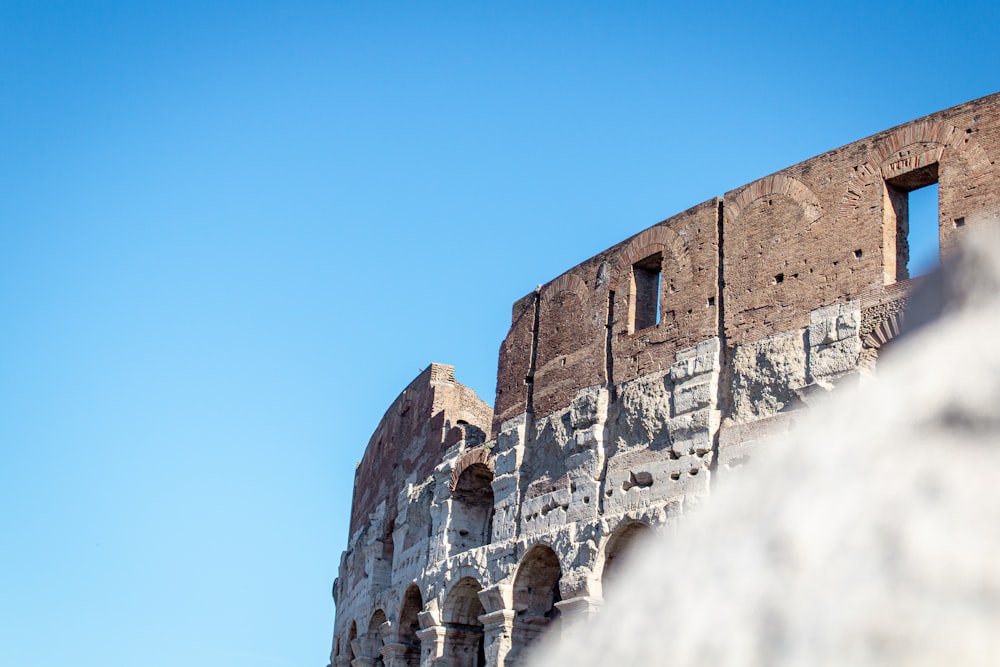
(464, 640)
(535, 592)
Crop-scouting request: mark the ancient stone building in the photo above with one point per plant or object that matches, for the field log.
(630, 386)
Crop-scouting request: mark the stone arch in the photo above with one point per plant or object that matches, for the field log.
(564, 306)
(466, 426)
(649, 242)
(884, 331)
(411, 605)
(470, 520)
(382, 565)
(464, 638)
(567, 282)
(912, 147)
(928, 134)
(479, 455)
(352, 638)
(535, 594)
(776, 185)
(619, 548)
(911, 157)
(374, 639)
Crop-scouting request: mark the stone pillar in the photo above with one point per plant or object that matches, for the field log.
(431, 645)
(525, 631)
(579, 611)
(368, 651)
(397, 655)
(461, 645)
(497, 627)
(342, 660)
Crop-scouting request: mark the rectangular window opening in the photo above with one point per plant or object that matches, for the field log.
(646, 285)
(911, 242)
(923, 235)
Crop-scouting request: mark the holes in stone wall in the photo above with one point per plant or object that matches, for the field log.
(640, 479)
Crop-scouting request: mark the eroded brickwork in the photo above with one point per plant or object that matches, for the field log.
(630, 385)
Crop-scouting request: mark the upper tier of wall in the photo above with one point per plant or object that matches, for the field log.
(633, 384)
(412, 435)
(821, 232)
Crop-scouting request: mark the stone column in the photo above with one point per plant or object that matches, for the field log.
(461, 645)
(525, 632)
(397, 655)
(497, 626)
(368, 651)
(579, 611)
(431, 645)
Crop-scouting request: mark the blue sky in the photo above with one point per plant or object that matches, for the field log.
(231, 233)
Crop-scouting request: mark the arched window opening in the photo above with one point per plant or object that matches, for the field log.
(464, 641)
(383, 563)
(351, 636)
(536, 591)
(375, 640)
(471, 521)
(418, 517)
(619, 550)
(413, 602)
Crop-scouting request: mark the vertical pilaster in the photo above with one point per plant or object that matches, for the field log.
(578, 612)
(431, 645)
(497, 631)
(397, 655)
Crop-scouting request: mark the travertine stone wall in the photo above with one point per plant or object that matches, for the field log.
(632, 384)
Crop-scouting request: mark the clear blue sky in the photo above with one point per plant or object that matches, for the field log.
(231, 233)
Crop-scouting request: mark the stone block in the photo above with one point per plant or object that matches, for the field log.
(766, 374)
(837, 358)
(644, 410)
(589, 407)
(694, 395)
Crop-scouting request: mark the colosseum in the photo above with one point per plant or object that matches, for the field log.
(629, 387)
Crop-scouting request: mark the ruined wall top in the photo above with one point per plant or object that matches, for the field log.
(751, 264)
(409, 439)
(631, 385)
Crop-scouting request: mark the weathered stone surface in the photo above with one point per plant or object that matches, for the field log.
(637, 382)
(804, 557)
(834, 340)
(644, 411)
(766, 375)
